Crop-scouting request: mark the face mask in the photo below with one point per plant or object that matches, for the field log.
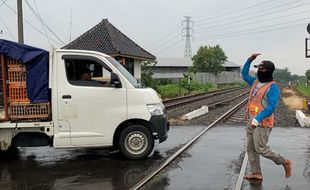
(264, 76)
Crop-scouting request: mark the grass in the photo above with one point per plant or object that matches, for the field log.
(305, 90)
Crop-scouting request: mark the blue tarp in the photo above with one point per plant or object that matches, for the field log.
(36, 61)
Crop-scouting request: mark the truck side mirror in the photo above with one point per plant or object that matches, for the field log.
(115, 81)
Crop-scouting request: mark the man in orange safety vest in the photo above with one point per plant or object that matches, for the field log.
(264, 97)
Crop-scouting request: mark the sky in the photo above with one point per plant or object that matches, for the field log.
(274, 28)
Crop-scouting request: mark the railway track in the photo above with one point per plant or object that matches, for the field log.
(180, 101)
(216, 106)
(191, 142)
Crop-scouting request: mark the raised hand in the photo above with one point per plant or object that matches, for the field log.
(254, 55)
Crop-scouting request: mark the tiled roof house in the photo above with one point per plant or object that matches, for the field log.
(106, 38)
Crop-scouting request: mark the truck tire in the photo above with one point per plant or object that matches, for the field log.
(136, 142)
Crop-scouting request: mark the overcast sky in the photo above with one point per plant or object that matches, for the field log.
(275, 28)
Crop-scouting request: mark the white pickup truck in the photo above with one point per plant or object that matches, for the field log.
(110, 109)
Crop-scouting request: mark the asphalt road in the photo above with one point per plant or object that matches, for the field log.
(79, 169)
(212, 163)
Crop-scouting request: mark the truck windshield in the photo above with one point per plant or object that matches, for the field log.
(124, 72)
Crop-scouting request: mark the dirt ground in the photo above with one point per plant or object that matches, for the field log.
(292, 99)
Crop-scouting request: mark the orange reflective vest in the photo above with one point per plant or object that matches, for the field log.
(255, 105)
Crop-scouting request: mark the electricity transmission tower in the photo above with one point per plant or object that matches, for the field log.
(188, 29)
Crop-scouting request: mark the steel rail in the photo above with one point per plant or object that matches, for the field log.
(229, 99)
(238, 185)
(204, 93)
(176, 102)
(184, 147)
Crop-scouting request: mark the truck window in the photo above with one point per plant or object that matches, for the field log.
(83, 72)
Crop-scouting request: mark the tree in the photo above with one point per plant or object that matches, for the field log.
(209, 59)
(308, 74)
(282, 75)
(146, 75)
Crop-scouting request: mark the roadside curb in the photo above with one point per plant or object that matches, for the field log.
(302, 119)
(196, 113)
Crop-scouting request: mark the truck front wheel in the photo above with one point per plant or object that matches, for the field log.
(136, 142)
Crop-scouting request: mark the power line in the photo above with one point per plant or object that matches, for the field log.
(172, 49)
(11, 34)
(248, 33)
(162, 50)
(48, 40)
(37, 15)
(35, 28)
(245, 8)
(167, 42)
(251, 23)
(272, 25)
(262, 31)
(3, 2)
(258, 11)
(264, 14)
(158, 44)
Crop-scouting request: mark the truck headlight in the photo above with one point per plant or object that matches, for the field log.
(156, 109)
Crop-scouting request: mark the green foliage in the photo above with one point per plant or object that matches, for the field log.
(302, 79)
(308, 74)
(195, 86)
(170, 90)
(281, 75)
(173, 90)
(163, 81)
(209, 59)
(284, 75)
(146, 75)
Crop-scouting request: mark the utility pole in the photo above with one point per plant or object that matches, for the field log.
(20, 21)
(188, 29)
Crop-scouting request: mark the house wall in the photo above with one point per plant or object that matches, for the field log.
(222, 78)
(177, 73)
(169, 72)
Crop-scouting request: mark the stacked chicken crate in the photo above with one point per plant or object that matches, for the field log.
(20, 106)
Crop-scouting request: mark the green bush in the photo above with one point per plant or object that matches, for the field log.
(164, 81)
(183, 88)
(195, 86)
(170, 90)
(173, 90)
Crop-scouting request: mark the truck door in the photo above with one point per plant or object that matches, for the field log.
(91, 105)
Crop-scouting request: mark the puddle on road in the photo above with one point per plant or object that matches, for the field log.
(213, 164)
(79, 169)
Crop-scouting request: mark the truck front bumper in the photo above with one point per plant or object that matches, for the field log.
(160, 126)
